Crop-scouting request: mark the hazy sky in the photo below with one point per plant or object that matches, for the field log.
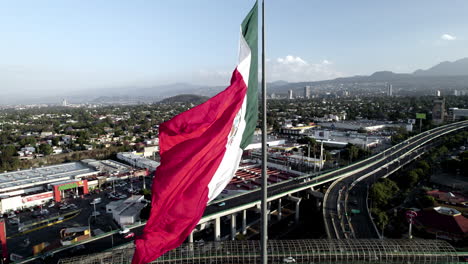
(49, 46)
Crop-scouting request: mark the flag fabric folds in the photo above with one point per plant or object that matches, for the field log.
(200, 152)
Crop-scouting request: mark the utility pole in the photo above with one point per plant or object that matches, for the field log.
(264, 203)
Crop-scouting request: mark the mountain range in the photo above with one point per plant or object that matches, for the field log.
(445, 75)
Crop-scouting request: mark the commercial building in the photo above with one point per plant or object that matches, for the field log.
(438, 111)
(307, 92)
(126, 212)
(297, 131)
(110, 167)
(367, 125)
(339, 139)
(138, 161)
(26, 188)
(455, 114)
(290, 94)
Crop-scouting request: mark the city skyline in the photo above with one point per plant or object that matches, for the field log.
(56, 46)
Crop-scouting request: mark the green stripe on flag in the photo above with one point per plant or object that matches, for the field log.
(250, 33)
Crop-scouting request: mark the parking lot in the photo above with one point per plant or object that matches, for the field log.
(92, 214)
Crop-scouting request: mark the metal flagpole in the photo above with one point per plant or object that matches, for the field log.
(264, 230)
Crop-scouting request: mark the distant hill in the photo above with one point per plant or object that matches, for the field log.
(185, 98)
(446, 68)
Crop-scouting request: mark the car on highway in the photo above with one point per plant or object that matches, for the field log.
(289, 260)
(129, 235)
(124, 231)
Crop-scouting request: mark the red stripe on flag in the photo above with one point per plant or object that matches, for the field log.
(192, 146)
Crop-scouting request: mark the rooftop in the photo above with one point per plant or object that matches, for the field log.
(109, 166)
(48, 174)
(132, 210)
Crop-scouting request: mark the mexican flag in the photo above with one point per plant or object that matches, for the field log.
(200, 151)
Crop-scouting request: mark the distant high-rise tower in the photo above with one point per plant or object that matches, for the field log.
(64, 102)
(389, 90)
(290, 94)
(438, 93)
(307, 92)
(438, 111)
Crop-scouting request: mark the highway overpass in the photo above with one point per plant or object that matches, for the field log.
(336, 200)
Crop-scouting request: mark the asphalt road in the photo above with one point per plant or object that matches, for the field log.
(339, 223)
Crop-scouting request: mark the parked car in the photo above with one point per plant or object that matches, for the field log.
(11, 215)
(13, 221)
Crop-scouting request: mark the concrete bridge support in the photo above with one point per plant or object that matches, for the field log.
(297, 200)
(279, 209)
(244, 222)
(190, 238)
(233, 227)
(217, 229)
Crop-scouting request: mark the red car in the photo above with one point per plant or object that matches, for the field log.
(129, 235)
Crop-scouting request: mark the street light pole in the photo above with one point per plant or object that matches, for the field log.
(94, 211)
(112, 236)
(89, 226)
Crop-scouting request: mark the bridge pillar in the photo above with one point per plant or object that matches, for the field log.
(190, 238)
(297, 212)
(217, 229)
(268, 211)
(279, 209)
(233, 226)
(244, 222)
(297, 200)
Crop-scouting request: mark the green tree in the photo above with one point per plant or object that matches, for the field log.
(383, 191)
(427, 201)
(45, 149)
(380, 217)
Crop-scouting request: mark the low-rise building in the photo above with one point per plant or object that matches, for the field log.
(126, 212)
(443, 222)
(138, 161)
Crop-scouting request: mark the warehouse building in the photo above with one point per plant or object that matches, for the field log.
(138, 161)
(26, 188)
(126, 212)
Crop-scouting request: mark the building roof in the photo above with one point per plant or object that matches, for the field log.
(451, 197)
(443, 219)
(36, 176)
(109, 166)
(132, 210)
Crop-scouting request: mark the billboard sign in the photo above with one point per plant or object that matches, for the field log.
(420, 116)
(35, 197)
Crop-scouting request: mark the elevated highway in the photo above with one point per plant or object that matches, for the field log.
(336, 200)
(333, 200)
